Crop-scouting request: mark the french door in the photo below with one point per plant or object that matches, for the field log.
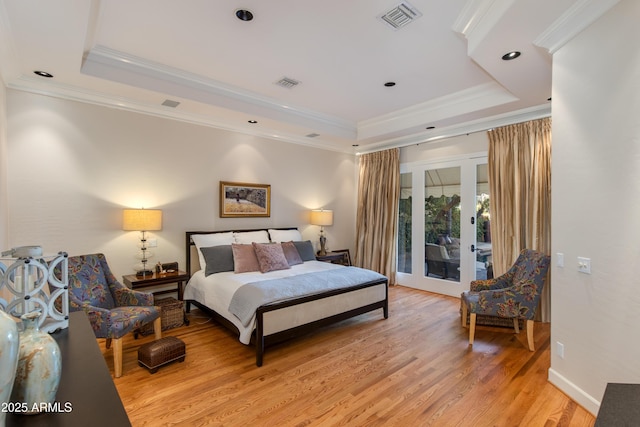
(444, 238)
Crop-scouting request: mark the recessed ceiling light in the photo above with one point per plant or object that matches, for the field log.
(511, 55)
(43, 74)
(244, 15)
(390, 84)
(253, 122)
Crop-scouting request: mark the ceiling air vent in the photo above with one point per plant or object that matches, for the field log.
(287, 83)
(312, 135)
(170, 103)
(400, 15)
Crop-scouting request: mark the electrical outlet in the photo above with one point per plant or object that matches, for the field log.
(560, 349)
(560, 259)
(152, 243)
(584, 265)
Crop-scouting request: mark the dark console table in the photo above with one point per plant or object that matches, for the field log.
(620, 406)
(86, 395)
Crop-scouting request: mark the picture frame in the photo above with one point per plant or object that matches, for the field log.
(244, 200)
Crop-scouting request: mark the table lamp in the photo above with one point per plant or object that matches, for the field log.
(142, 220)
(322, 217)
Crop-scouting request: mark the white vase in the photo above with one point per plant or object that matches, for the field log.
(9, 347)
(39, 367)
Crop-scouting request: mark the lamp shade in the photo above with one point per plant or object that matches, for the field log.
(142, 219)
(321, 217)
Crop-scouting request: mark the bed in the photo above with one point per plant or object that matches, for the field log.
(309, 293)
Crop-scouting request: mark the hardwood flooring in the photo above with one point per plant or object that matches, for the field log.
(413, 369)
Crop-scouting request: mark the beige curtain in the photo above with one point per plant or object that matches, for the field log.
(377, 214)
(520, 185)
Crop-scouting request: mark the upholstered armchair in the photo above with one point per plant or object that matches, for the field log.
(514, 295)
(112, 308)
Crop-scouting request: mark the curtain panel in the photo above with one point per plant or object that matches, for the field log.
(377, 212)
(520, 187)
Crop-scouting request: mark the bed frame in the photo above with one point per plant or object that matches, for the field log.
(262, 335)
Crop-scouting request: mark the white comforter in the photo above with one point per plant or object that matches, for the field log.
(216, 290)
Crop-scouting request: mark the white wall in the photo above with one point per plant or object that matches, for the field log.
(596, 212)
(4, 211)
(73, 167)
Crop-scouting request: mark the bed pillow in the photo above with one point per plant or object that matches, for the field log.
(244, 258)
(305, 249)
(248, 237)
(208, 240)
(291, 253)
(218, 259)
(279, 236)
(270, 257)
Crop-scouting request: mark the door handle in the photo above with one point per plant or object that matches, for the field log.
(473, 248)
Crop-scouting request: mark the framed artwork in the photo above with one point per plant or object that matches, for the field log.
(239, 199)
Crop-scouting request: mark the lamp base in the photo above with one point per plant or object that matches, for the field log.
(323, 242)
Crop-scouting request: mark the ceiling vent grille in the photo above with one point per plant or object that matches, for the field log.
(400, 15)
(170, 103)
(287, 83)
(313, 135)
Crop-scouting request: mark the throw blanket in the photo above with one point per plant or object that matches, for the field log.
(249, 297)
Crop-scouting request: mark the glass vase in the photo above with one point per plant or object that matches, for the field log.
(39, 368)
(9, 347)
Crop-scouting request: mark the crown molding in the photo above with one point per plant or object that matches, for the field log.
(473, 99)
(575, 19)
(477, 19)
(480, 125)
(118, 66)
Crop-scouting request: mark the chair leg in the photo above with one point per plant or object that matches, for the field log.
(472, 327)
(117, 357)
(516, 325)
(157, 327)
(530, 334)
(464, 315)
(108, 343)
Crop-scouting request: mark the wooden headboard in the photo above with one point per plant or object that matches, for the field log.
(193, 263)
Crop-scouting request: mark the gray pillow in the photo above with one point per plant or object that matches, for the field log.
(218, 259)
(305, 249)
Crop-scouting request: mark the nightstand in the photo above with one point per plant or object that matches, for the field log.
(158, 279)
(341, 257)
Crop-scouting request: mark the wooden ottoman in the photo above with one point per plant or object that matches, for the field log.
(160, 352)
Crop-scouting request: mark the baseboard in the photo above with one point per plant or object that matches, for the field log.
(574, 392)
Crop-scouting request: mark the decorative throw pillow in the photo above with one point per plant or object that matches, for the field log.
(279, 236)
(305, 249)
(270, 257)
(218, 259)
(244, 258)
(208, 240)
(291, 253)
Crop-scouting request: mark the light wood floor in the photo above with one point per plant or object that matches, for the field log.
(413, 369)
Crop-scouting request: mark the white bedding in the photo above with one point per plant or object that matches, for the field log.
(216, 290)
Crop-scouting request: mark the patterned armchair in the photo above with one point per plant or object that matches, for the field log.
(514, 295)
(112, 308)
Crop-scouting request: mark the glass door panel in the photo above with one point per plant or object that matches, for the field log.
(404, 223)
(442, 223)
(484, 266)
